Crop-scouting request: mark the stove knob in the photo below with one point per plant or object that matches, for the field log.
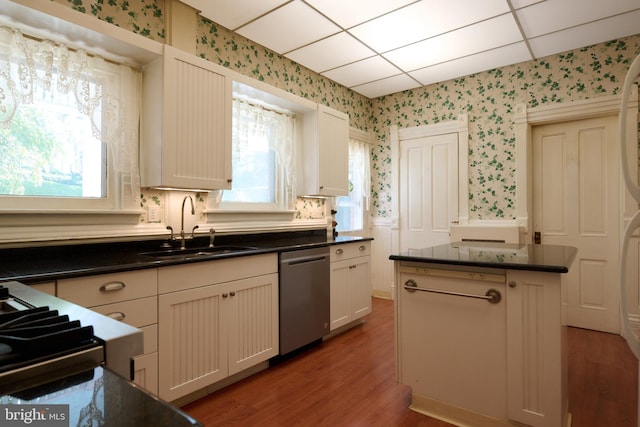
(4, 292)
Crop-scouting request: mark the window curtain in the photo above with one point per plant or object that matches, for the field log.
(106, 92)
(255, 120)
(360, 171)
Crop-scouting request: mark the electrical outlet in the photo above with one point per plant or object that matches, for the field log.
(153, 213)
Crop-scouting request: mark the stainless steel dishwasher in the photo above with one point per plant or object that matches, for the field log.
(304, 297)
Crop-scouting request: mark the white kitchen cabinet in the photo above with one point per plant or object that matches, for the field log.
(186, 123)
(325, 151)
(350, 282)
(130, 297)
(536, 349)
(217, 318)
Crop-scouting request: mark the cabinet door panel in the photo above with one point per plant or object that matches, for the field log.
(536, 349)
(146, 372)
(360, 281)
(253, 326)
(198, 150)
(333, 135)
(192, 340)
(340, 295)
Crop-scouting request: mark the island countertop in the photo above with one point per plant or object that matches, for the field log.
(547, 258)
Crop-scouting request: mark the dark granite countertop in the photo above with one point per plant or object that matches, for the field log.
(548, 258)
(43, 263)
(97, 397)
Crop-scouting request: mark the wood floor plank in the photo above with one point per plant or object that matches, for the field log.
(350, 380)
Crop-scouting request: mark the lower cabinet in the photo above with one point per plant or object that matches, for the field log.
(130, 297)
(537, 363)
(225, 322)
(350, 283)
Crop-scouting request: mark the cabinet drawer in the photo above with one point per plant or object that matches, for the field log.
(182, 277)
(102, 289)
(350, 250)
(137, 313)
(46, 287)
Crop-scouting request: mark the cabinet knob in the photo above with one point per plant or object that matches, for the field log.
(225, 295)
(229, 180)
(233, 294)
(512, 284)
(339, 251)
(362, 248)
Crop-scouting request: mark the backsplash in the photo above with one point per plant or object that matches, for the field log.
(488, 98)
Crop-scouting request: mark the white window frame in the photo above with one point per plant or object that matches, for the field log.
(364, 137)
(263, 218)
(25, 225)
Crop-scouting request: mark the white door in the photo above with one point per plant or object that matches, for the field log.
(576, 203)
(428, 190)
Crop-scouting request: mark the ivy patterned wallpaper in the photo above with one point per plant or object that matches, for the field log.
(488, 98)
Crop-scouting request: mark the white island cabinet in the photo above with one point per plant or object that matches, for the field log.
(481, 334)
(216, 319)
(186, 123)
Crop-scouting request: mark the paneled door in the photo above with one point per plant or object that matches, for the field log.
(576, 202)
(428, 190)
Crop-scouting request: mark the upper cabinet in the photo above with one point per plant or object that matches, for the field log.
(186, 123)
(325, 152)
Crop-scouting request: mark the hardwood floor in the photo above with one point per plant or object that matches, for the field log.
(350, 380)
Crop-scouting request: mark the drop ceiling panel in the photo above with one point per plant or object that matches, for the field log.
(484, 61)
(331, 52)
(585, 35)
(554, 15)
(289, 27)
(429, 40)
(423, 20)
(386, 86)
(367, 70)
(479, 37)
(517, 4)
(233, 13)
(353, 12)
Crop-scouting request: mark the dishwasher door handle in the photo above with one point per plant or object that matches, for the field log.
(305, 260)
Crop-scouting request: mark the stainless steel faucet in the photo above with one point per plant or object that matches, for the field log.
(193, 212)
(212, 236)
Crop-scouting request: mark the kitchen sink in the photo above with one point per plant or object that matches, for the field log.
(196, 252)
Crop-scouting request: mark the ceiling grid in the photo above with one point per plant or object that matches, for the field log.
(378, 47)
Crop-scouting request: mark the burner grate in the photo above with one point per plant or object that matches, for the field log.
(36, 334)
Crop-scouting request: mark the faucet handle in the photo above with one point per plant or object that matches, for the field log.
(170, 228)
(212, 235)
(193, 231)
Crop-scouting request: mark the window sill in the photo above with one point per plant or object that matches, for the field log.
(55, 225)
(233, 220)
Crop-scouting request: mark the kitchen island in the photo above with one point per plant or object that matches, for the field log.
(481, 332)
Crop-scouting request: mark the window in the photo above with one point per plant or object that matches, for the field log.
(263, 159)
(352, 208)
(68, 128)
